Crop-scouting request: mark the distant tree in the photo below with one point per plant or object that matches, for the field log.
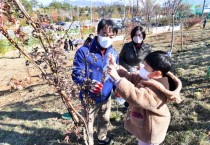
(34, 3)
(120, 10)
(87, 8)
(109, 12)
(147, 10)
(157, 11)
(116, 12)
(96, 15)
(186, 19)
(55, 16)
(28, 5)
(66, 6)
(55, 5)
(82, 11)
(183, 11)
(174, 5)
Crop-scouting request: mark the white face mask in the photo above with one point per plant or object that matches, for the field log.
(105, 42)
(144, 73)
(137, 39)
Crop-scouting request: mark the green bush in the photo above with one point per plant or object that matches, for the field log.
(4, 46)
(164, 21)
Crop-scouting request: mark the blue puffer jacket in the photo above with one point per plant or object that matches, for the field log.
(89, 63)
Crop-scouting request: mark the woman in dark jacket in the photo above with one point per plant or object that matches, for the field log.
(134, 52)
(66, 45)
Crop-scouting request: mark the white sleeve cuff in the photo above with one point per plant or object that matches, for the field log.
(117, 82)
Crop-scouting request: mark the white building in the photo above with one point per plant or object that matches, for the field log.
(207, 9)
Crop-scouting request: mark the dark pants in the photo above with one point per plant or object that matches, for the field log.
(204, 25)
(126, 104)
(71, 47)
(66, 48)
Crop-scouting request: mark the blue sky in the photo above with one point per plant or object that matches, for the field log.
(46, 2)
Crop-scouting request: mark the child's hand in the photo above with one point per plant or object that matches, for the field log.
(113, 72)
(112, 60)
(139, 66)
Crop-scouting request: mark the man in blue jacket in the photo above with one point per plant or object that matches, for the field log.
(89, 71)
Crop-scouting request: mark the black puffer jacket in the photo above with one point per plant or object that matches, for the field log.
(131, 56)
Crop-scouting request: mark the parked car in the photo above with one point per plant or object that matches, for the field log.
(119, 22)
(61, 23)
(136, 19)
(60, 28)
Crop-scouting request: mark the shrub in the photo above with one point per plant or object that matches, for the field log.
(5, 46)
(190, 22)
(164, 21)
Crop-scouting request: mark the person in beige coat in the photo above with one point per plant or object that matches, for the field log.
(147, 91)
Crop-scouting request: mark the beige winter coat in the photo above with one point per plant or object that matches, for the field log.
(148, 116)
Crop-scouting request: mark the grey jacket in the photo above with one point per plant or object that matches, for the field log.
(130, 56)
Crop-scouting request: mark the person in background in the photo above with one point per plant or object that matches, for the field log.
(89, 40)
(148, 91)
(134, 52)
(89, 72)
(204, 22)
(66, 45)
(70, 44)
(75, 43)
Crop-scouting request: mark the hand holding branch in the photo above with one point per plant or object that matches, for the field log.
(112, 69)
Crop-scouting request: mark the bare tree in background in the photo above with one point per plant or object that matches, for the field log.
(183, 13)
(173, 5)
(157, 10)
(147, 10)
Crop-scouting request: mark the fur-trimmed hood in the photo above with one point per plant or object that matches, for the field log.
(172, 95)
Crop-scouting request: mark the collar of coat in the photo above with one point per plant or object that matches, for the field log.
(144, 46)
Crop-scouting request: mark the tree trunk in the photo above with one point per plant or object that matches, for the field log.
(172, 33)
(204, 1)
(181, 36)
(148, 20)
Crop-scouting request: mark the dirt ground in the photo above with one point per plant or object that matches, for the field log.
(32, 115)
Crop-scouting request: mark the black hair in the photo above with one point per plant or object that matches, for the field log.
(107, 22)
(159, 61)
(115, 30)
(91, 35)
(135, 29)
(88, 41)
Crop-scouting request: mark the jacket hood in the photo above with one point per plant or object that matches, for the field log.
(172, 95)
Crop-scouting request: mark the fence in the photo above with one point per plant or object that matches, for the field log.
(165, 29)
